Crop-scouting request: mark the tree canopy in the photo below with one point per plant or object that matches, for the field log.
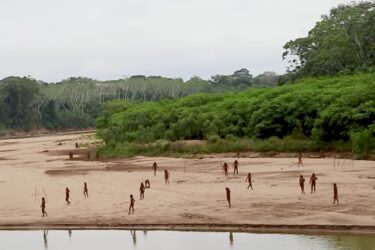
(342, 41)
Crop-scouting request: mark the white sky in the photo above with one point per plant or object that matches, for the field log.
(109, 39)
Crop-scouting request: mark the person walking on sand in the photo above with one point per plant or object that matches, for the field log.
(166, 176)
(302, 183)
(85, 190)
(154, 167)
(227, 190)
(248, 179)
(235, 166)
(313, 180)
(131, 206)
(335, 194)
(43, 206)
(300, 159)
(142, 191)
(67, 192)
(225, 168)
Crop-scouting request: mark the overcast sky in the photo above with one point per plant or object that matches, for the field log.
(110, 39)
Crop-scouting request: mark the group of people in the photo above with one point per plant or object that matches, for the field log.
(142, 190)
(67, 197)
(248, 179)
(312, 181)
(145, 185)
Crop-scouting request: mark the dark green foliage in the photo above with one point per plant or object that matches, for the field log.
(75, 102)
(18, 102)
(343, 41)
(313, 110)
(363, 143)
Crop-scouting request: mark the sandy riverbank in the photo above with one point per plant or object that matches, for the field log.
(34, 167)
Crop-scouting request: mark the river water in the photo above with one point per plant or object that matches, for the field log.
(176, 240)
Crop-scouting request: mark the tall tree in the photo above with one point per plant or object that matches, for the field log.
(344, 40)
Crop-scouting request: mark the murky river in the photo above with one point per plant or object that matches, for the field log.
(175, 240)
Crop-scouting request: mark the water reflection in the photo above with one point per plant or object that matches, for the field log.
(172, 240)
(134, 237)
(45, 240)
(231, 239)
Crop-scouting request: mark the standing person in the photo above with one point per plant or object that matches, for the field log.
(43, 206)
(300, 159)
(228, 196)
(302, 183)
(142, 191)
(248, 179)
(313, 180)
(131, 207)
(225, 168)
(166, 176)
(77, 145)
(85, 190)
(67, 192)
(154, 166)
(235, 166)
(335, 194)
(70, 155)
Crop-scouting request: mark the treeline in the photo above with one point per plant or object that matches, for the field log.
(322, 110)
(27, 104)
(341, 42)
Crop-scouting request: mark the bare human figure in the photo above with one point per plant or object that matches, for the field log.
(77, 145)
(131, 206)
(147, 183)
(166, 176)
(70, 155)
(313, 180)
(335, 194)
(43, 206)
(154, 167)
(142, 191)
(235, 166)
(302, 183)
(67, 192)
(300, 159)
(85, 190)
(248, 179)
(227, 190)
(225, 168)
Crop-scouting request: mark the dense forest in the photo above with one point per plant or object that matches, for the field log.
(27, 104)
(324, 110)
(342, 42)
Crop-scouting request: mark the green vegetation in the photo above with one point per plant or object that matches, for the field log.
(313, 114)
(331, 104)
(27, 104)
(342, 42)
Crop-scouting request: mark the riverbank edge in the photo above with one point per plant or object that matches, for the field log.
(243, 228)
